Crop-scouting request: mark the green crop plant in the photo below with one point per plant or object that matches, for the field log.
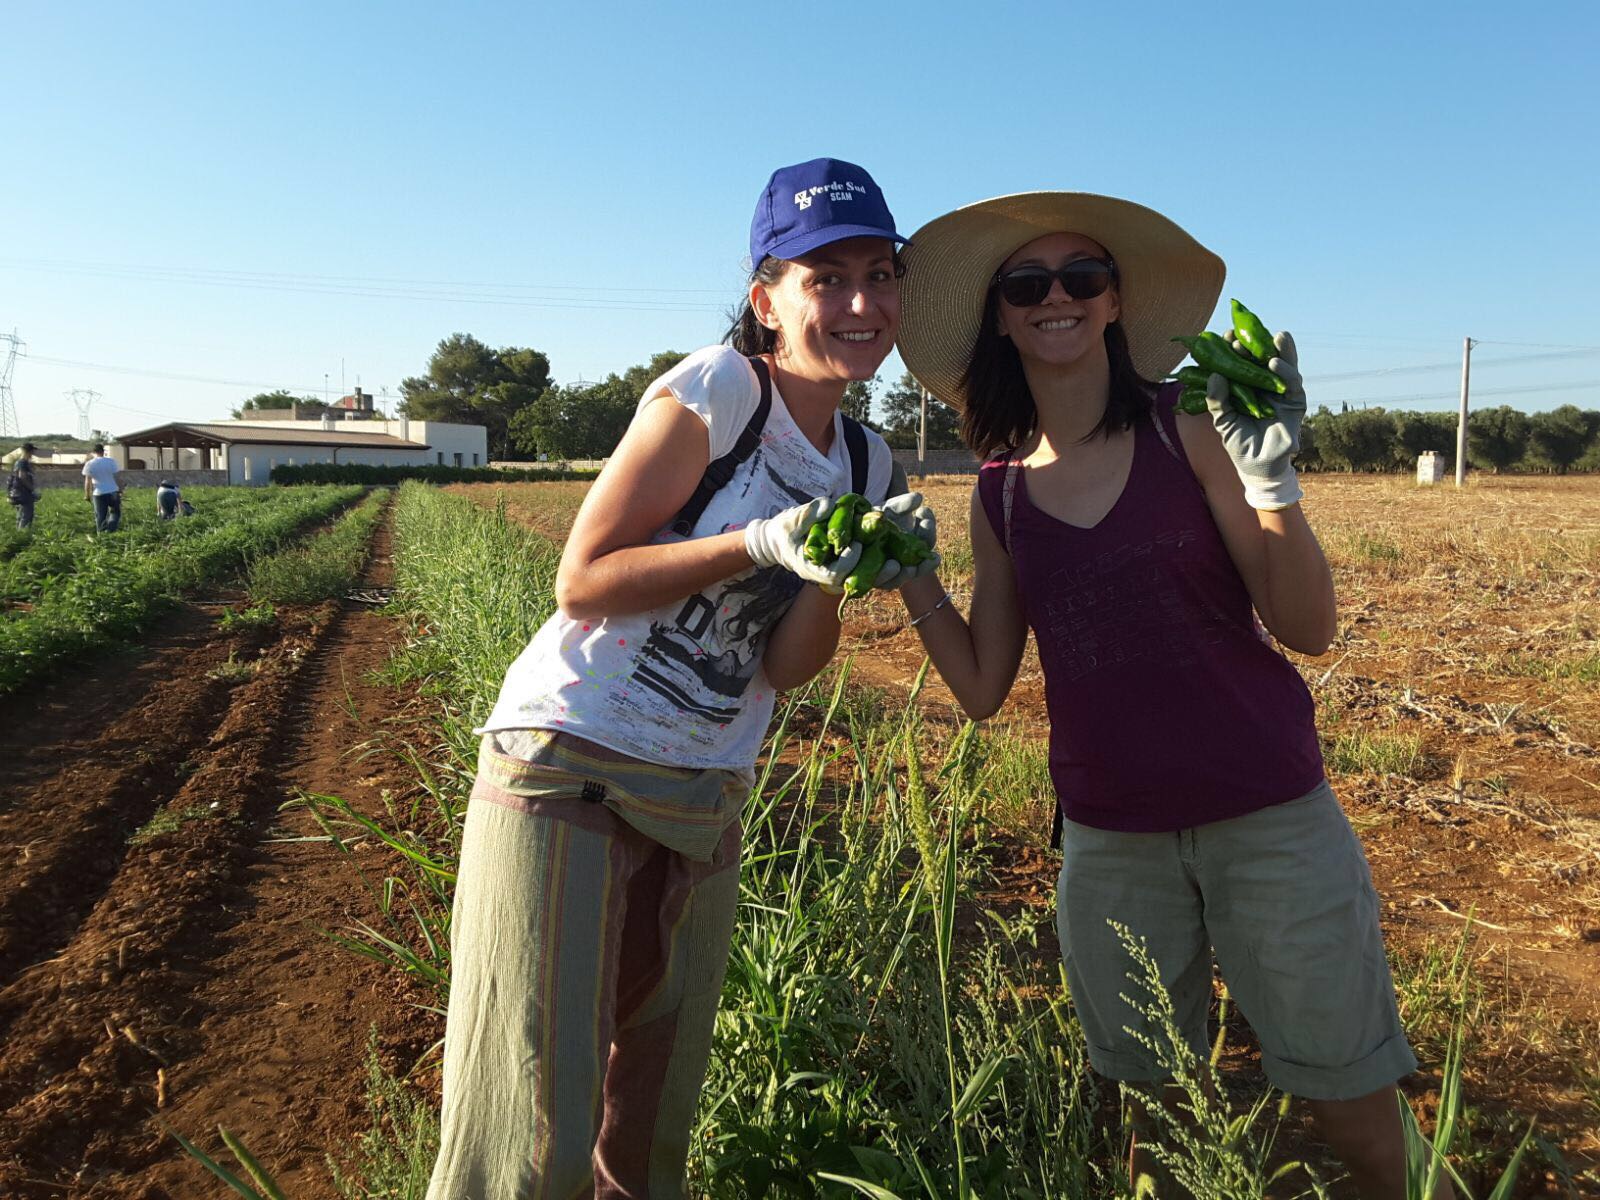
(119, 584)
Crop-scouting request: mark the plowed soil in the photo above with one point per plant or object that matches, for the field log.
(161, 956)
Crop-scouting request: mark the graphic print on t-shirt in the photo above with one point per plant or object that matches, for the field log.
(703, 663)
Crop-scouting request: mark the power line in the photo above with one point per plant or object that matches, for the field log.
(1531, 390)
(1424, 368)
(277, 276)
(327, 286)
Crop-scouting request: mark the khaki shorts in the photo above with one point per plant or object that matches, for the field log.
(1284, 897)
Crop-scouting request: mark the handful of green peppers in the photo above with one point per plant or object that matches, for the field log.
(855, 520)
(1244, 367)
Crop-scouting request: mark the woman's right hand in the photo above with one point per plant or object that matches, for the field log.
(780, 541)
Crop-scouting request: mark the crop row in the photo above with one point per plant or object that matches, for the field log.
(117, 585)
(63, 534)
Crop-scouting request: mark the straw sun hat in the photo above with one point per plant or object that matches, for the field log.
(1169, 283)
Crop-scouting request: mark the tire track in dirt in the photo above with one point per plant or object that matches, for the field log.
(66, 833)
(170, 960)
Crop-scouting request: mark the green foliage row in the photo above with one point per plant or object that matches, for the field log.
(1498, 439)
(324, 566)
(63, 525)
(119, 585)
(375, 476)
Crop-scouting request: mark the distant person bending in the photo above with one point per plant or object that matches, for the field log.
(100, 484)
(169, 503)
(21, 489)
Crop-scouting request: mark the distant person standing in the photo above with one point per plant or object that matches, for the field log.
(101, 485)
(21, 489)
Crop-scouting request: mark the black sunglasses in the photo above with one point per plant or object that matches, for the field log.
(1082, 279)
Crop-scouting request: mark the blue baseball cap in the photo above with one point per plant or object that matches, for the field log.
(814, 203)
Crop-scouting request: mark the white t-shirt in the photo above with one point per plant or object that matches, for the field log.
(103, 471)
(683, 685)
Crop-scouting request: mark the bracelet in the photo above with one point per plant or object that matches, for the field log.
(915, 621)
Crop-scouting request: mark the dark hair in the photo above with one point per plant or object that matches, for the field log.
(1000, 413)
(99, 448)
(747, 335)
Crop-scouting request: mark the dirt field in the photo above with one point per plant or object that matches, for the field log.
(160, 953)
(1460, 707)
(161, 960)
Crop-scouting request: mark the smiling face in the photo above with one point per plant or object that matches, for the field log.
(836, 310)
(1058, 331)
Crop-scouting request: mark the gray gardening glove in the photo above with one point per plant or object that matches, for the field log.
(780, 541)
(912, 516)
(1263, 451)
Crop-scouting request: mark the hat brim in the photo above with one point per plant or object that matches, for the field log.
(1168, 282)
(815, 239)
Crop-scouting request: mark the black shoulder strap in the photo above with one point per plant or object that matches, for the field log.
(720, 471)
(855, 444)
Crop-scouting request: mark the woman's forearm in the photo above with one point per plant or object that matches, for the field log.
(804, 641)
(979, 676)
(1300, 599)
(636, 579)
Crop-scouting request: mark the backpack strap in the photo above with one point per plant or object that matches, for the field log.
(855, 444)
(719, 472)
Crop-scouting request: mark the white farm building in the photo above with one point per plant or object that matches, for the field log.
(243, 453)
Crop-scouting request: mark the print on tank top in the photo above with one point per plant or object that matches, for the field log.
(1122, 606)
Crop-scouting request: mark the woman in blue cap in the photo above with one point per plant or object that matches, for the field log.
(599, 866)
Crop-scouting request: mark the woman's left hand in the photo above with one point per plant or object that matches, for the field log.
(1263, 450)
(912, 516)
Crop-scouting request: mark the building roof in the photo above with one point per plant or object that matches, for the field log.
(197, 437)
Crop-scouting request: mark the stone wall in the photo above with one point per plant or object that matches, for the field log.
(56, 477)
(938, 462)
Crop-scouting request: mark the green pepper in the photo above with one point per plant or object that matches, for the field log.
(817, 543)
(1247, 402)
(873, 527)
(1193, 377)
(907, 549)
(1214, 354)
(1253, 335)
(842, 523)
(1193, 400)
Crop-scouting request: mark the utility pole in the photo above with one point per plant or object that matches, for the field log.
(1461, 427)
(82, 399)
(922, 435)
(10, 427)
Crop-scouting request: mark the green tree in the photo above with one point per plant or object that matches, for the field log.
(278, 399)
(902, 409)
(587, 420)
(857, 400)
(469, 383)
(1415, 432)
(1559, 438)
(1497, 438)
(1361, 439)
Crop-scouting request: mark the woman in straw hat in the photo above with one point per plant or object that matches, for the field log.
(599, 869)
(1138, 544)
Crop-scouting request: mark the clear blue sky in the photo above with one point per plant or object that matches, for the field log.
(249, 195)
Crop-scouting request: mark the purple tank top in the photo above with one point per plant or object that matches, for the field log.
(1168, 708)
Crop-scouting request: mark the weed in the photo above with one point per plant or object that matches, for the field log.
(1373, 753)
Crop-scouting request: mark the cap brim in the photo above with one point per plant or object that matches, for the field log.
(815, 239)
(1168, 282)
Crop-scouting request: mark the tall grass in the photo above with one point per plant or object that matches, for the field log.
(881, 1032)
(322, 567)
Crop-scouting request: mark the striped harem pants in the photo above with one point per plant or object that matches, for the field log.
(586, 966)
